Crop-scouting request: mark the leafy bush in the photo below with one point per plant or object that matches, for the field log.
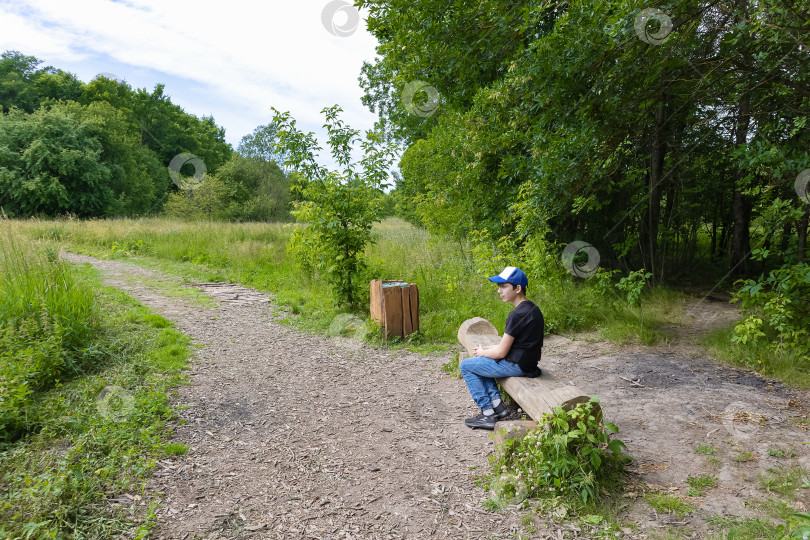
(70, 158)
(573, 456)
(208, 201)
(336, 208)
(777, 309)
(244, 189)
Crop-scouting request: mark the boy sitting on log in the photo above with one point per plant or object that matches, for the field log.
(515, 356)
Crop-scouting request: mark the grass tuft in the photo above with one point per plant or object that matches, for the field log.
(87, 424)
(668, 503)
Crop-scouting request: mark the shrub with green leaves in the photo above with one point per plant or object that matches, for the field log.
(573, 456)
(777, 309)
(632, 285)
(335, 208)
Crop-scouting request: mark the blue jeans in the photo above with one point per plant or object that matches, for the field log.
(480, 372)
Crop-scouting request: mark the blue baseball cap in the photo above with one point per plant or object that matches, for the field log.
(511, 275)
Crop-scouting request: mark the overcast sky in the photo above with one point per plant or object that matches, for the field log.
(233, 60)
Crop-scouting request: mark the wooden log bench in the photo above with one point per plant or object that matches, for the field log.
(535, 396)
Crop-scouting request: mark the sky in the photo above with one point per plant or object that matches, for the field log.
(233, 60)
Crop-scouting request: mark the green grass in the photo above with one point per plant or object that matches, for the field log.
(706, 449)
(746, 529)
(452, 288)
(783, 480)
(702, 481)
(451, 367)
(175, 449)
(48, 328)
(776, 508)
(781, 453)
(698, 483)
(95, 429)
(742, 457)
(173, 288)
(668, 503)
(792, 369)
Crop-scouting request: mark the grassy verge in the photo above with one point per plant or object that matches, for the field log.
(451, 288)
(791, 367)
(91, 413)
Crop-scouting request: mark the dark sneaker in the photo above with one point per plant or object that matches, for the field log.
(482, 421)
(501, 411)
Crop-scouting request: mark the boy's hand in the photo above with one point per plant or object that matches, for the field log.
(477, 350)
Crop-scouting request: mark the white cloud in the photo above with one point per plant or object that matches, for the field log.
(239, 57)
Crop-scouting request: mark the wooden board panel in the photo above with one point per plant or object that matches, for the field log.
(414, 292)
(407, 326)
(375, 306)
(392, 311)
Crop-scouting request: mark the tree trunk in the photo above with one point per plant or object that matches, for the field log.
(656, 178)
(741, 238)
(668, 216)
(784, 240)
(801, 228)
(713, 247)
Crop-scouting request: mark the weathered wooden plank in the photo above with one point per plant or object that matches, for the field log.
(407, 326)
(392, 310)
(375, 306)
(536, 396)
(414, 292)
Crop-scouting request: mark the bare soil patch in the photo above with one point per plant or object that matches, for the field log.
(303, 436)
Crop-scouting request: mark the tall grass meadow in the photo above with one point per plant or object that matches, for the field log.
(66, 341)
(451, 275)
(48, 322)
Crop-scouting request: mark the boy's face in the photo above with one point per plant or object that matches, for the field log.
(507, 292)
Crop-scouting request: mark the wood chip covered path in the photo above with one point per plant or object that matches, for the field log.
(302, 436)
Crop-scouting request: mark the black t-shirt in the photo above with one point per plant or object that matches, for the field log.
(525, 323)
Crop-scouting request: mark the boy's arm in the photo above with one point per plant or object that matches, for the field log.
(496, 352)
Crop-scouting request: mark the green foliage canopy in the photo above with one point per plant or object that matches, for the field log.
(72, 159)
(95, 149)
(244, 189)
(566, 120)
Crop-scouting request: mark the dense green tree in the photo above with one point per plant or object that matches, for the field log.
(69, 158)
(244, 189)
(26, 86)
(168, 131)
(138, 132)
(208, 201)
(262, 144)
(639, 130)
(118, 94)
(258, 190)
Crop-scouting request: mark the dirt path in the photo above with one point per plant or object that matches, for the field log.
(301, 436)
